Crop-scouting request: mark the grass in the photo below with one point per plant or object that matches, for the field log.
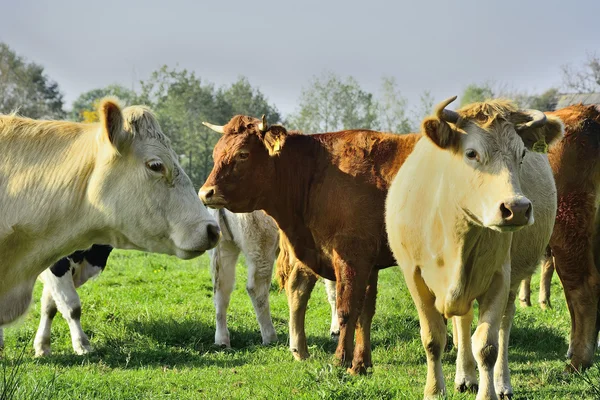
(151, 321)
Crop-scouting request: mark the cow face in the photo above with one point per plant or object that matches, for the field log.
(489, 144)
(139, 187)
(244, 165)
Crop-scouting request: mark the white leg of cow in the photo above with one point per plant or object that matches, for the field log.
(222, 267)
(525, 292)
(485, 339)
(334, 329)
(501, 370)
(68, 303)
(41, 343)
(545, 282)
(466, 366)
(260, 272)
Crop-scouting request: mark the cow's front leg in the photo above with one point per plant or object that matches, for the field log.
(41, 343)
(525, 292)
(466, 368)
(362, 351)
(545, 282)
(298, 287)
(260, 272)
(222, 268)
(485, 339)
(67, 301)
(501, 370)
(334, 328)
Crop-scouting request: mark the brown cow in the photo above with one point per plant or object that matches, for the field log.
(327, 194)
(575, 241)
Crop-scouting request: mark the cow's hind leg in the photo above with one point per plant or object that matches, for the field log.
(299, 286)
(41, 343)
(222, 267)
(525, 292)
(260, 272)
(545, 281)
(334, 329)
(466, 366)
(362, 351)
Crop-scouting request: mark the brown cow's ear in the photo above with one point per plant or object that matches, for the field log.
(539, 138)
(440, 133)
(111, 118)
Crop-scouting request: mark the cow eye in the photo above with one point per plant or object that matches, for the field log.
(243, 156)
(156, 166)
(472, 155)
(524, 153)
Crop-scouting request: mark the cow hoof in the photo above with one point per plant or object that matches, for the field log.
(83, 350)
(269, 339)
(39, 353)
(545, 305)
(505, 396)
(525, 303)
(335, 336)
(464, 386)
(300, 355)
(357, 370)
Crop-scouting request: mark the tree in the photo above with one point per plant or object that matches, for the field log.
(392, 108)
(242, 98)
(585, 79)
(475, 93)
(25, 88)
(544, 102)
(424, 109)
(330, 103)
(84, 107)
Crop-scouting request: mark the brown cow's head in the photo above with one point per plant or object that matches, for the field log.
(490, 142)
(244, 164)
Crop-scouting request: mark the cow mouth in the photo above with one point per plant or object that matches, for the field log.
(215, 202)
(507, 227)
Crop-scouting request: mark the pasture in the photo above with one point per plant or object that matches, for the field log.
(151, 320)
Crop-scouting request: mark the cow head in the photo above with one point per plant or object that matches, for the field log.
(244, 164)
(488, 143)
(146, 199)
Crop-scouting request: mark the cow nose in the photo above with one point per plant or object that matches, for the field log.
(206, 193)
(214, 234)
(516, 212)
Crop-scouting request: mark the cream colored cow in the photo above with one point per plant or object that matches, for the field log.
(65, 186)
(460, 220)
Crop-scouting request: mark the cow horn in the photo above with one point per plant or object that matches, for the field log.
(446, 115)
(263, 125)
(538, 119)
(215, 128)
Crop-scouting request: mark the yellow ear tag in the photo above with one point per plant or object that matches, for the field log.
(540, 146)
(276, 146)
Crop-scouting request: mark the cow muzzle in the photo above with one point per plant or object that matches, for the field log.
(514, 214)
(211, 198)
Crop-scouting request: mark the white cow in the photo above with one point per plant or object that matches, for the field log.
(65, 186)
(460, 221)
(255, 235)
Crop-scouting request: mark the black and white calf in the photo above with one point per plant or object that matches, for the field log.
(60, 282)
(257, 236)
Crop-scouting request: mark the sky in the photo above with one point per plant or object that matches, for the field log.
(440, 46)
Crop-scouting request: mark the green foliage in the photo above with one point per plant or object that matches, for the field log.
(26, 88)
(151, 321)
(331, 103)
(392, 108)
(84, 107)
(543, 102)
(475, 93)
(242, 98)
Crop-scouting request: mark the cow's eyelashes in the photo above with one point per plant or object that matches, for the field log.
(156, 166)
(472, 155)
(243, 156)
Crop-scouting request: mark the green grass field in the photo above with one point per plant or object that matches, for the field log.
(151, 320)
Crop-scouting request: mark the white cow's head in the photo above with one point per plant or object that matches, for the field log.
(148, 201)
(489, 142)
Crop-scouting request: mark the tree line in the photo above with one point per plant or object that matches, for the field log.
(182, 100)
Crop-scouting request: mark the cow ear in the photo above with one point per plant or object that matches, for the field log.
(111, 119)
(540, 138)
(274, 140)
(440, 133)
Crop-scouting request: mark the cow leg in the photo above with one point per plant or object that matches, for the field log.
(501, 370)
(362, 351)
(582, 291)
(68, 303)
(525, 292)
(466, 366)
(433, 334)
(485, 339)
(41, 343)
(260, 272)
(334, 329)
(222, 268)
(545, 281)
(299, 286)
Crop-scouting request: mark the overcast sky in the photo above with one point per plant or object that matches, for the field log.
(279, 45)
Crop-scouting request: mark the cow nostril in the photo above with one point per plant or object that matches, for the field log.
(207, 194)
(214, 233)
(506, 212)
(528, 212)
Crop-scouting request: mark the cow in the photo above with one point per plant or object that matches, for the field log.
(65, 186)
(255, 235)
(460, 222)
(326, 192)
(547, 270)
(575, 242)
